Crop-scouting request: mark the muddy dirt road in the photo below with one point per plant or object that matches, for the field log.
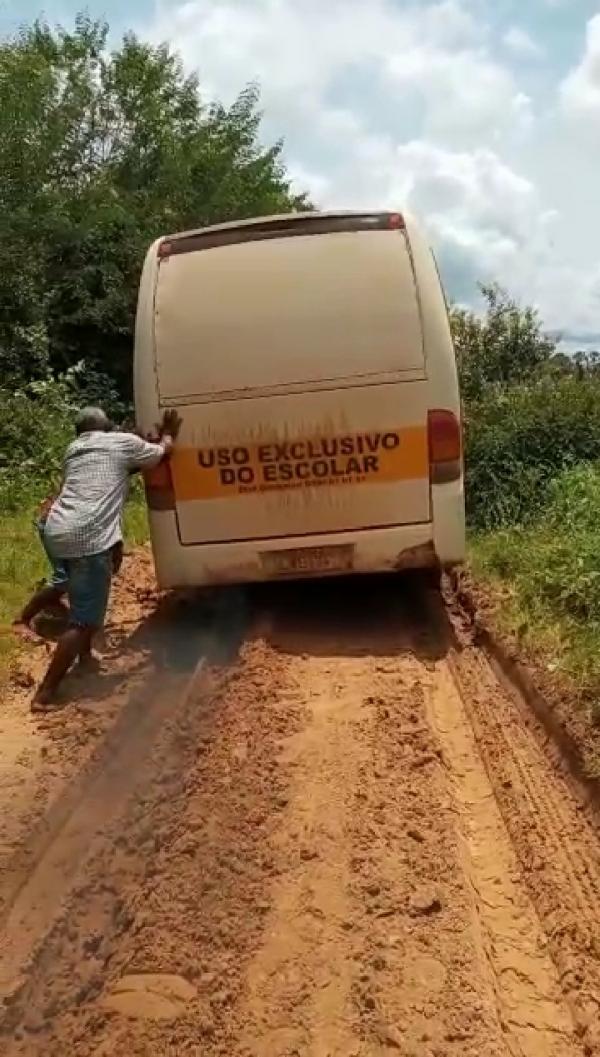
(332, 833)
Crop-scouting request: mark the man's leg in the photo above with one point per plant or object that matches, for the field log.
(71, 644)
(48, 595)
(89, 589)
(44, 597)
(87, 661)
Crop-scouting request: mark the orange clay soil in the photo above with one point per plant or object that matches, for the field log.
(337, 837)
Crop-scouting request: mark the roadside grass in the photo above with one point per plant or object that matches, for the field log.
(570, 646)
(23, 563)
(545, 576)
(135, 525)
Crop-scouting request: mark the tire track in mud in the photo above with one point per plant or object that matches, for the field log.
(35, 899)
(556, 844)
(367, 948)
(174, 888)
(285, 1006)
(523, 978)
(316, 863)
(53, 911)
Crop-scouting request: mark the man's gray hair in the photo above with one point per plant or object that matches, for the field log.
(92, 419)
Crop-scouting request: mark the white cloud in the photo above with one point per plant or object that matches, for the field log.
(396, 103)
(580, 91)
(485, 220)
(303, 180)
(299, 49)
(490, 223)
(466, 93)
(521, 44)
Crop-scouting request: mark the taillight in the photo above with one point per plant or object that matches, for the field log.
(445, 446)
(159, 487)
(395, 222)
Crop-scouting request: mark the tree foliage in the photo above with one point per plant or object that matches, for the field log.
(518, 439)
(505, 347)
(530, 410)
(99, 154)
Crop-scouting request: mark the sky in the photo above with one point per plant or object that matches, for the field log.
(480, 116)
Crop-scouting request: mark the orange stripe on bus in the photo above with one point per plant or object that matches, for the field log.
(236, 469)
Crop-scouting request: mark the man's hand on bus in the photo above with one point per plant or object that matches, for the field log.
(170, 425)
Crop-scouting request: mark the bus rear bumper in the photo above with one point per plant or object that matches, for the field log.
(342, 553)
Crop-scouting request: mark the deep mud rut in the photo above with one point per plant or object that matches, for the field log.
(349, 841)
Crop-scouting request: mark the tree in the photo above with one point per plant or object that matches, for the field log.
(505, 347)
(99, 154)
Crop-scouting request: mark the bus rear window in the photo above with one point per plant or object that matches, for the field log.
(280, 227)
(286, 311)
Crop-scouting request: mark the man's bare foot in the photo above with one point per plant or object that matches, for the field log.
(26, 633)
(43, 700)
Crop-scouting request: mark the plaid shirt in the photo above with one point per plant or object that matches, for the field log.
(86, 517)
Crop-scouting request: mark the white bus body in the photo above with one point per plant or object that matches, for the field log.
(310, 359)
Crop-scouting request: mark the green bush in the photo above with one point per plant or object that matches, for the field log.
(519, 438)
(36, 425)
(530, 410)
(551, 568)
(554, 562)
(567, 571)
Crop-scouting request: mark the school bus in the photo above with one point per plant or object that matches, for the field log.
(310, 359)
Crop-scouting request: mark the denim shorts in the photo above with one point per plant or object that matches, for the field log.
(58, 577)
(89, 589)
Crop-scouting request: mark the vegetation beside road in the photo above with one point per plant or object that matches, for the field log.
(532, 450)
(546, 578)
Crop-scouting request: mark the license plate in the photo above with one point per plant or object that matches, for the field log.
(308, 560)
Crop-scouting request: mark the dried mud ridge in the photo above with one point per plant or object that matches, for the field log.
(346, 842)
(564, 711)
